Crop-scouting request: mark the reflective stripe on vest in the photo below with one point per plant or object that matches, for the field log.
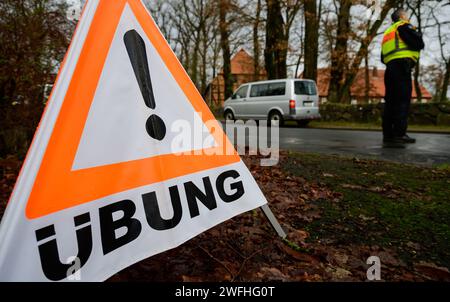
(393, 46)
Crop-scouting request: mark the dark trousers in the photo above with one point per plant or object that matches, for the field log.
(398, 83)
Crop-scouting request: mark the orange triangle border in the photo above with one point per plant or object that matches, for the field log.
(57, 187)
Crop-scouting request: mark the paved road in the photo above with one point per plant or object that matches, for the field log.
(429, 149)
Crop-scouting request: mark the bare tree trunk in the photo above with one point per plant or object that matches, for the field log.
(311, 39)
(417, 70)
(281, 66)
(215, 55)
(224, 6)
(256, 47)
(364, 48)
(339, 57)
(417, 11)
(194, 65)
(366, 78)
(446, 82)
(187, 59)
(302, 52)
(275, 53)
(204, 40)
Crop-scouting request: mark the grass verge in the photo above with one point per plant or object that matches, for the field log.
(391, 205)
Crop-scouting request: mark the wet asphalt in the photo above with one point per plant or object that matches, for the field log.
(430, 149)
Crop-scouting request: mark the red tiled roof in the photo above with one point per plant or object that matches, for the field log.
(376, 80)
(242, 63)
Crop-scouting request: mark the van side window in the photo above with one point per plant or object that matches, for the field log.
(305, 88)
(241, 93)
(259, 90)
(277, 89)
(271, 89)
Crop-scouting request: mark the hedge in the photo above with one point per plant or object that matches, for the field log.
(420, 114)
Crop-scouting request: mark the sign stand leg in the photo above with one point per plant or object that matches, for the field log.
(273, 221)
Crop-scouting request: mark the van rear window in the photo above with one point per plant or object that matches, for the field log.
(305, 88)
(271, 89)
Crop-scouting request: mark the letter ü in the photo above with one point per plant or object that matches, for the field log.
(50, 261)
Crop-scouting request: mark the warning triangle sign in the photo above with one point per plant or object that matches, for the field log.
(101, 129)
(106, 181)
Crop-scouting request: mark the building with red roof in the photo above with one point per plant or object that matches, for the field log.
(243, 71)
(358, 89)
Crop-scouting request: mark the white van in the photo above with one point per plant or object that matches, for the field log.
(275, 100)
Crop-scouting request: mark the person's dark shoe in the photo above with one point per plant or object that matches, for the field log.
(393, 142)
(408, 140)
(405, 139)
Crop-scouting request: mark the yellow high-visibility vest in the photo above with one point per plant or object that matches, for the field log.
(394, 47)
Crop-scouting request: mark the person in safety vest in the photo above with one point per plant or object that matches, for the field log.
(400, 52)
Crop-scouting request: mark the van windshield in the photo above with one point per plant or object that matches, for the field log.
(305, 88)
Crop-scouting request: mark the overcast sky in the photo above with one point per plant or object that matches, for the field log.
(430, 56)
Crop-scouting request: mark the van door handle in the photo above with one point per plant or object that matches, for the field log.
(244, 100)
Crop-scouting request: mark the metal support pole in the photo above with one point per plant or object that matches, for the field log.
(273, 221)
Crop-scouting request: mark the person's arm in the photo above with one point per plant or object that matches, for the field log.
(411, 37)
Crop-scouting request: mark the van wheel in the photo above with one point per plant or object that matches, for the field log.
(276, 117)
(229, 116)
(303, 123)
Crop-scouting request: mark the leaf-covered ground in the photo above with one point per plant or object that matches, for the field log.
(337, 212)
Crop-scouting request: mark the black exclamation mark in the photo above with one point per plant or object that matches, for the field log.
(138, 56)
